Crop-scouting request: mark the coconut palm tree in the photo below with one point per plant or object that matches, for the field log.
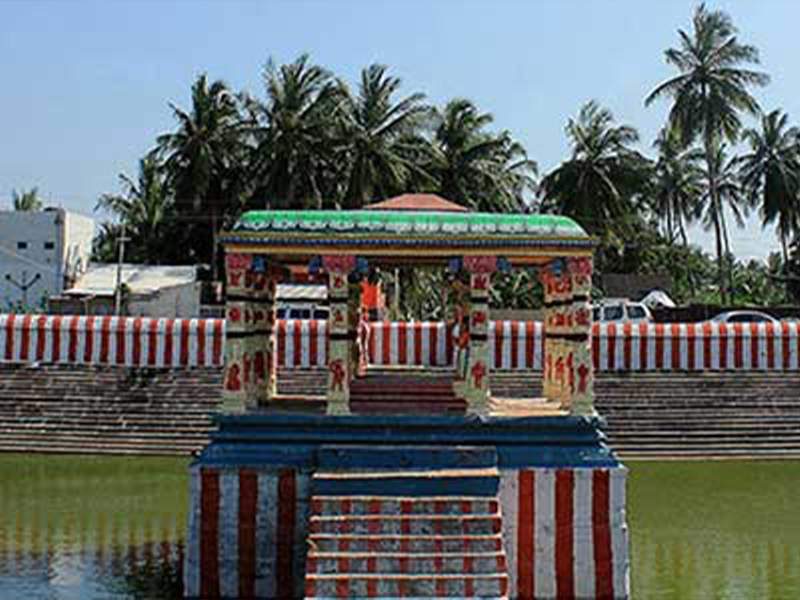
(295, 134)
(598, 184)
(710, 92)
(677, 185)
(27, 201)
(203, 160)
(481, 169)
(383, 138)
(144, 207)
(729, 197)
(770, 173)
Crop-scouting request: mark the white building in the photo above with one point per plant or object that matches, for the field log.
(40, 252)
(149, 291)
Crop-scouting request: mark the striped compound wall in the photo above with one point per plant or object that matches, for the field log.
(123, 341)
(565, 532)
(247, 533)
(516, 345)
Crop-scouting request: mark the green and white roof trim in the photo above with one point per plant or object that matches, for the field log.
(408, 223)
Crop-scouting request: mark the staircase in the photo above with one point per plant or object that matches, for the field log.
(93, 409)
(384, 391)
(690, 414)
(430, 530)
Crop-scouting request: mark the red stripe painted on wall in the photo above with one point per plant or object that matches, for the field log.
(152, 342)
(659, 333)
(313, 351)
(707, 346)
(770, 334)
(627, 345)
(434, 345)
(9, 355)
(644, 333)
(525, 534)
(105, 327)
(498, 344)
(56, 354)
(72, 350)
(514, 341)
(168, 342)
(201, 342)
(565, 580)
(248, 506)
(601, 535)
(218, 340)
(136, 349)
(530, 333)
(285, 534)
(40, 337)
(402, 343)
(281, 342)
(675, 329)
(690, 349)
(120, 354)
(88, 340)
(25, 338)
(209, 533)
(183, 351)
(297, 343)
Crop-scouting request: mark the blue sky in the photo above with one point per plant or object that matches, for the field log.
(86, 85)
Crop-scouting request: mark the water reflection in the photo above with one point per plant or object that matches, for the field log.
(76, 527)
(86, 527)
(719, 530)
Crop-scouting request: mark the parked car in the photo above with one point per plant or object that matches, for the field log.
(744, 316)
(621, 311)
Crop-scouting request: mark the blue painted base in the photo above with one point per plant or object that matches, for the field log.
(317, 442)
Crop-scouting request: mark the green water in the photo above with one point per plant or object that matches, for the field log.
(86, 527)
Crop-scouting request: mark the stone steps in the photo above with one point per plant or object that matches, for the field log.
(405, 521)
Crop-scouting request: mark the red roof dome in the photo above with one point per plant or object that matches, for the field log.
(417, 202)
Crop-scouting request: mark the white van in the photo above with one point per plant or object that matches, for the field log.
(621, 311)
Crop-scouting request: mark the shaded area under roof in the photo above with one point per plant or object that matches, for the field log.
(417, 202)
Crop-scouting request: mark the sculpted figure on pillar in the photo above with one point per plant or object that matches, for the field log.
(567, 366)
(340, 367)
(476, 386)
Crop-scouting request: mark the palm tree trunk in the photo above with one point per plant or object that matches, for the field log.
(214, 254)
(715, 207)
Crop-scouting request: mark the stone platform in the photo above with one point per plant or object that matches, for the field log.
(292, 506)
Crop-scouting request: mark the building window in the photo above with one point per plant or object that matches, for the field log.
(22, 245)
(49, 245)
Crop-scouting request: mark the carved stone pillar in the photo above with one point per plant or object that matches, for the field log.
(340, 369)
(476, 384)
(568, 372)
(248, 308)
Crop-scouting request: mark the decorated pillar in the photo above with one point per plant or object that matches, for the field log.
(568, 371)
(340, 367)
(249, 377)
(476, 384)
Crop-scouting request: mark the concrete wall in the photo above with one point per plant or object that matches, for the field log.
(49, 243)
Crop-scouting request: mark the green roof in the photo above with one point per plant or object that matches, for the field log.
(408, 224)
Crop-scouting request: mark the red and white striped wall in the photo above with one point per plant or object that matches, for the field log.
(423, 343)
(518, 345)
(695, 346)
(247, 533)
(565, 533)
(123, 341)
(302, 343)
